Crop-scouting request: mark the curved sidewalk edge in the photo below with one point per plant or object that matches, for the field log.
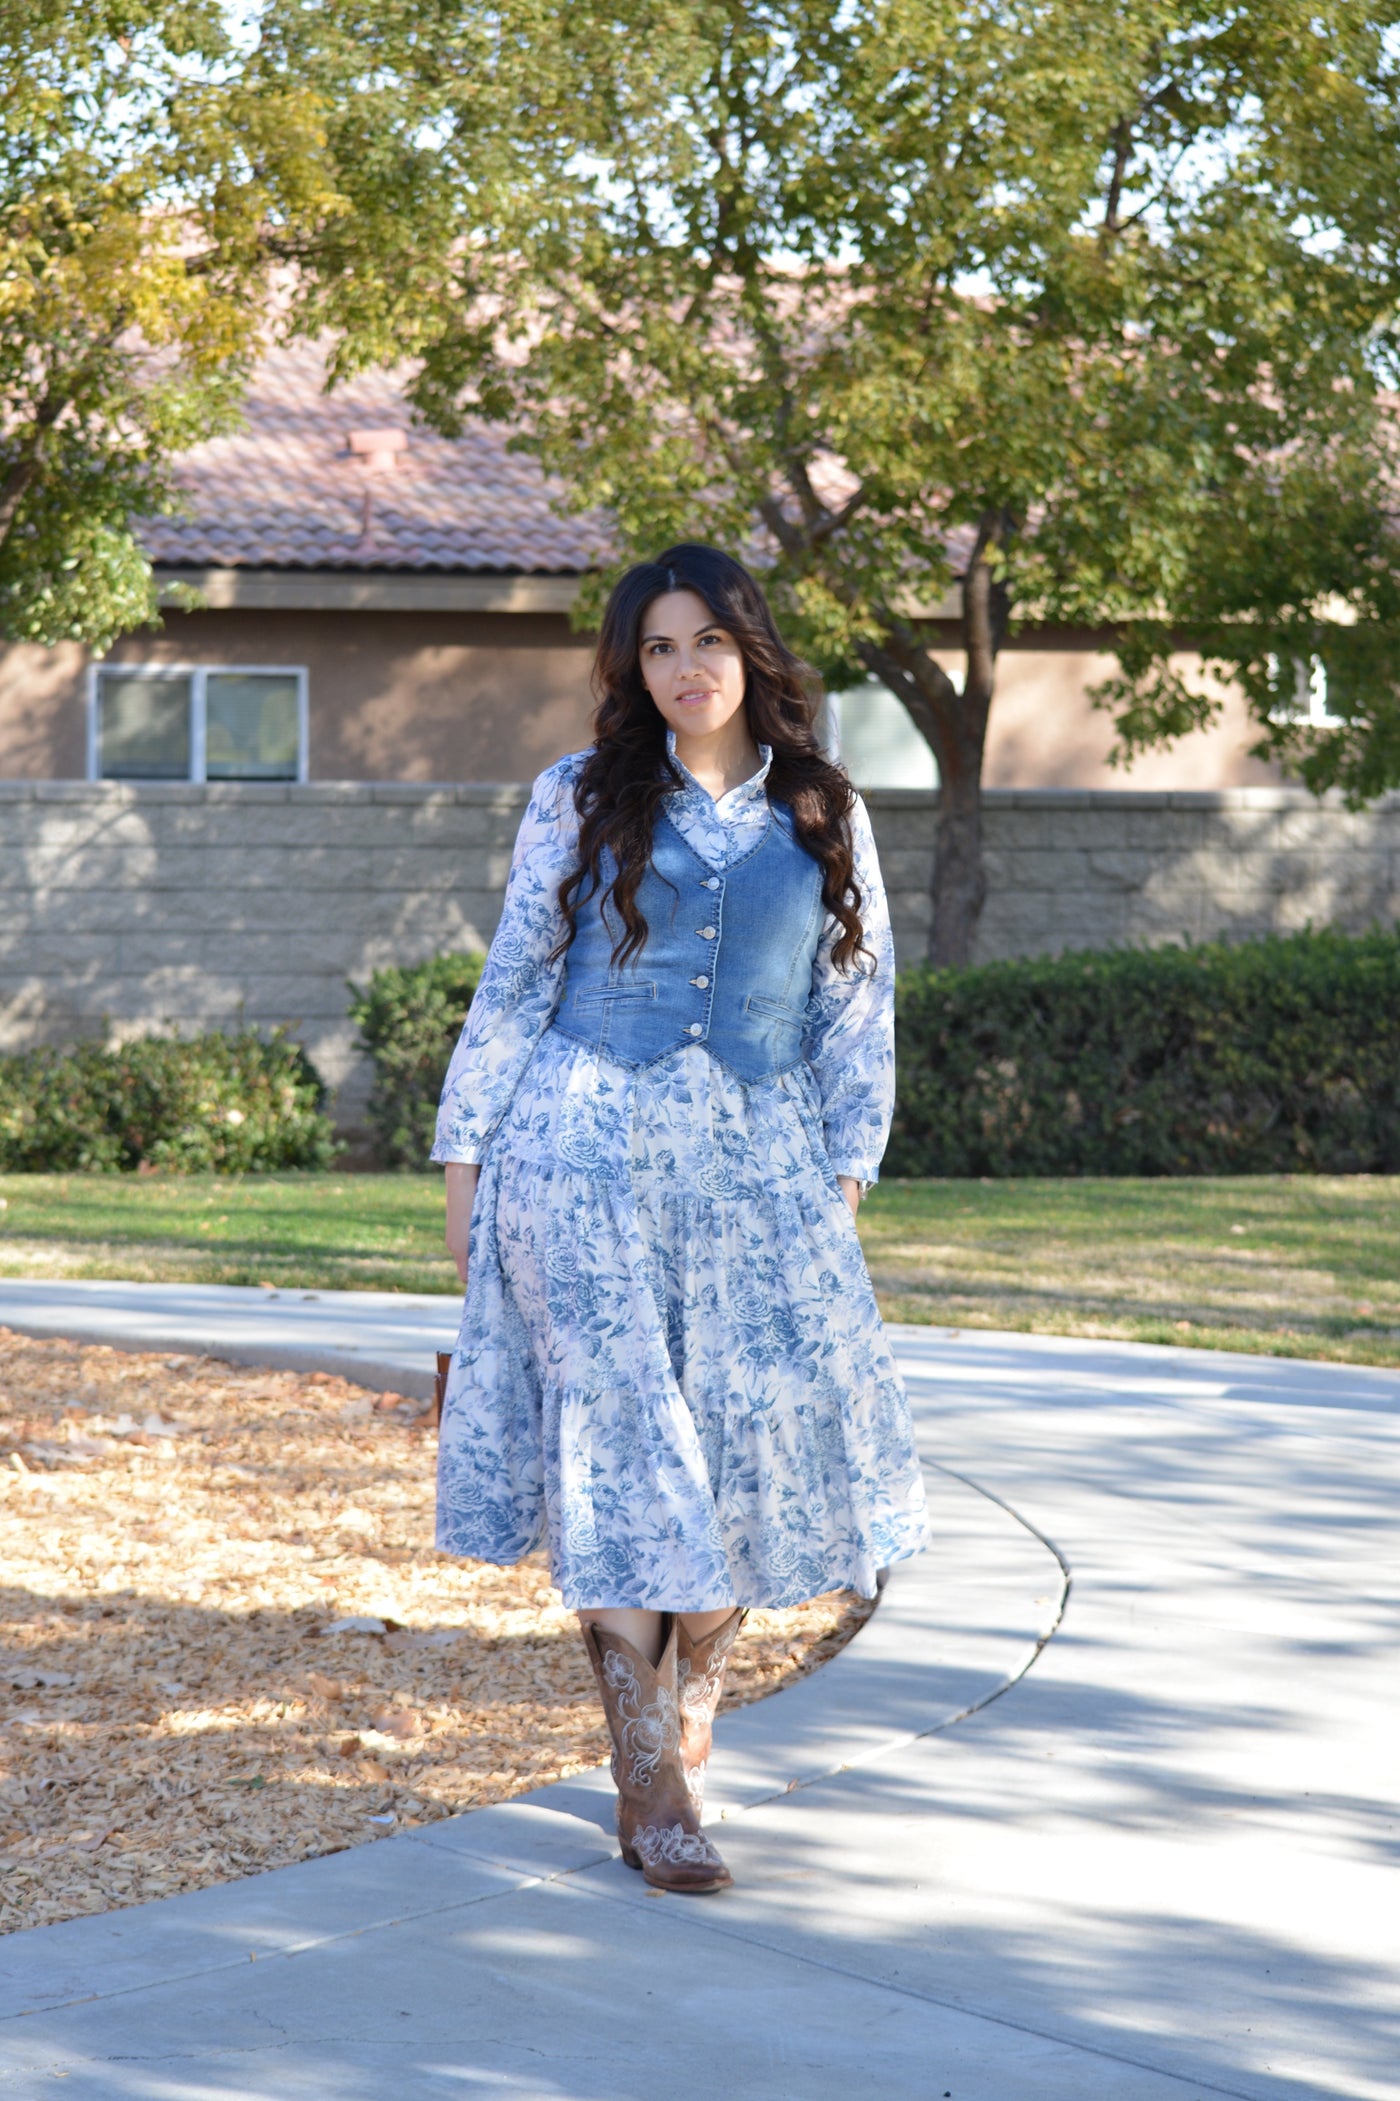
(956, 1626)
(382, 1339)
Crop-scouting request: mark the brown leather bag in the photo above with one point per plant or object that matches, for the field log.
(444, 1364)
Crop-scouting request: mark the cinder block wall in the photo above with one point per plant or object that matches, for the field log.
(126, 908)
(1086, 868)
(132, 907)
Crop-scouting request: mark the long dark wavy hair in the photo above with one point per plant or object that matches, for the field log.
(629, 772)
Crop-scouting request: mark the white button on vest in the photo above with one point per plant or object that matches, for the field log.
(711, 882)
(707, 933)
(701, 982)
(695, 1029)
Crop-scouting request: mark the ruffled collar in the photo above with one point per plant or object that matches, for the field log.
(735, 801)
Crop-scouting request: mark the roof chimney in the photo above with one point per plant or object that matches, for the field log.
(378, 450)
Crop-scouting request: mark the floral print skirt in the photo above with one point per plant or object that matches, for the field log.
(671, 1365)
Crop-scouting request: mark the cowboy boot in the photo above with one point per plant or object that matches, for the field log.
(658, 1826)
(699, 1683)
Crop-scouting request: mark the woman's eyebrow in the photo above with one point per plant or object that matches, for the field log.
(709, 627)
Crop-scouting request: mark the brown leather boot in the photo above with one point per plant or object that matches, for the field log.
(658, 1826)
(699, 1683)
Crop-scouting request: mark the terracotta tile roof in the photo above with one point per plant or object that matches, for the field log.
(288, 492)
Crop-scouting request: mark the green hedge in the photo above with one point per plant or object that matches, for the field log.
(409, 1019)
(229, 1104)
(1266, 1056)
(1281, 1055)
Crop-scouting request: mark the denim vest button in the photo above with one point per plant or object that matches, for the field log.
(695, 1029)
(706, 933)
(701, 982)
(711, 882)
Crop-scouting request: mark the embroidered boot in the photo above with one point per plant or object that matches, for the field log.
(699, 1683)
(658, 1826)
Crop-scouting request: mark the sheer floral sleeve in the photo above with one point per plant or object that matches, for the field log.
(850, 1027)
(519, 987)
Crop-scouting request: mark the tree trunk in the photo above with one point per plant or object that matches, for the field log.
(959, 879)
(954, 725)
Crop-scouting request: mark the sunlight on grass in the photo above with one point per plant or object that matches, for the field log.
(316, 1231)
(1294, 1265)
(1291, 1265)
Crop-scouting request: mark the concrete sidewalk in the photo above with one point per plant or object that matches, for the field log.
(1160, 1864)
(384, 1339)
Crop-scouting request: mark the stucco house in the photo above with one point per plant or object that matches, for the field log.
(383, 604)
(321, 770)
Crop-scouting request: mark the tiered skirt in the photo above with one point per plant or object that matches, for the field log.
(671, 1366)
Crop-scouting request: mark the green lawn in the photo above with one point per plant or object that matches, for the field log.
(1291, 1265)
(354, 1232)
(1300, 1266)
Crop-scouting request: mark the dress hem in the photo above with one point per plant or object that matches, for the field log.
(713, 1601)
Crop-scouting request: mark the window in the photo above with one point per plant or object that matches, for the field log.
(252, 726)
(145, 726)
(1308, 700)
(182, 723)
(876, 740)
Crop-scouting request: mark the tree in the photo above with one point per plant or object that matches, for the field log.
(154, 171)
(1085, 313)
(183, 180)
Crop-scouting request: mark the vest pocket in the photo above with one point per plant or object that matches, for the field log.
(756, 1003)
(610, 993)
(603, 1011)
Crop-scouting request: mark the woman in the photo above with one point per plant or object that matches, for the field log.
(672, 1088)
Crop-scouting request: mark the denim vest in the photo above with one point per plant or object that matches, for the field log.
(727, 962)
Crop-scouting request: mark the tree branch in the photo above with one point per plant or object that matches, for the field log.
(819, 521)
(1122, 136)
(789, 537)
(900, 660)
(25, 470)
(814, 511)
(922, 685)
(836, 521)
(1122, 154)
(986, 608)
(16, 487)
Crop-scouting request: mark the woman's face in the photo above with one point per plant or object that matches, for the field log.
(693, 667)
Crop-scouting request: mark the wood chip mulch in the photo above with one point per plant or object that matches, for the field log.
(228, 1643)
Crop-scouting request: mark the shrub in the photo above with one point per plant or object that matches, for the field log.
(1274, 1055)
(409, 1018)
(229, 1104)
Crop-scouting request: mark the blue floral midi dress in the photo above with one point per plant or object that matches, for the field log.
(671, 1365)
